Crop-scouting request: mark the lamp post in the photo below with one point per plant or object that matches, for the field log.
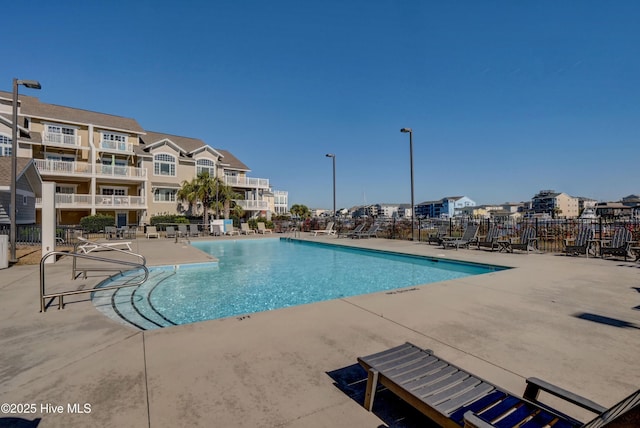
(410, 131)
(14, 161)
(333, 156)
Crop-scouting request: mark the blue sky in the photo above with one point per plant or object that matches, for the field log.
(505, 98)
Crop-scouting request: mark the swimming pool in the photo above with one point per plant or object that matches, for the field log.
(264, 274)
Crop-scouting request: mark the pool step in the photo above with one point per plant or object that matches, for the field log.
(129, 305)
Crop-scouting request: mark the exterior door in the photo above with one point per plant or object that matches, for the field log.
(121, 219)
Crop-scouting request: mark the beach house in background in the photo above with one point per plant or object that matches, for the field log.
(555, 204)
(107, 164)
(450, 206)
(28, 188)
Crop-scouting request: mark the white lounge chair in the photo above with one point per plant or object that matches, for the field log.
(329, 230)
(262, 228)
(245, 229)
(152, 232)
(87, 246)
(229, 230)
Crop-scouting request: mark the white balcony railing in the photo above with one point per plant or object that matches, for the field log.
(116, 146)
(74, 200)
(60, 140)
(252, 183)
(252, 205)
(116, 171)
(120, 201)
(53, 167)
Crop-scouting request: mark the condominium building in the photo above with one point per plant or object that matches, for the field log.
(556, 204)
(106, 164)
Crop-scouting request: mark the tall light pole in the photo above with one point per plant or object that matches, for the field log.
(14, 161)
(413, 213)
(333, 156)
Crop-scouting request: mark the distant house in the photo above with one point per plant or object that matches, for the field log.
(450, 206)
(555, 204)
(28, 188)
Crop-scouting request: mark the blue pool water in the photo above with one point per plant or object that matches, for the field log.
(265, 274)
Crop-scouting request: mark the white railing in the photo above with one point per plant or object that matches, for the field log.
(116, 146)
(252, 205)
(120, 201)
(64, 140)
(120, 171)
(47, 166)
(73, 200)
(253, 183)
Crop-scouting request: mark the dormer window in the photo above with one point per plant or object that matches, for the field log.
(164, 164)
(5, 145)
(206, 165)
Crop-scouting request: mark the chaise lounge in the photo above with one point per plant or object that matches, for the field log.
(579, 245)
(454, 398)
(468, 237)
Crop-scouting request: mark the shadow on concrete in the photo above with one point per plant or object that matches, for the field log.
(19, 423)
(394, 412)
(606, 320)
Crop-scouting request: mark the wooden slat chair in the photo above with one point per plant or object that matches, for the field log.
(528, 241)
(454, 398)
(580, 245)
(491, 239)
(441, 232)
(619, 245)
(468, 237)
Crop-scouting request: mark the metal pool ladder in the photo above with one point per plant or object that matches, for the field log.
(74, 275)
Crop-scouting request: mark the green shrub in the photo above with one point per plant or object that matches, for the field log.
(253, 223)
(163, 220)
(96, 223)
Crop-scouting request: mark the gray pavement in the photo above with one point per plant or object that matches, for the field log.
(573, 321)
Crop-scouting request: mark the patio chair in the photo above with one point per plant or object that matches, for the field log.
(170, 232)
(468, 237)
(528, 241)
(441, 232)
(262, 228)
(245, 229)
(619, 244)
(152, 232)
(182, 231)
(326, 231)
(354, 231)
(230, 230)
(111, 232)
(372, 231)
(491, 239)
(580, 244)
(453, 397)
(193, 230)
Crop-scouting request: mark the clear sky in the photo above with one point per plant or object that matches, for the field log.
(505, 98)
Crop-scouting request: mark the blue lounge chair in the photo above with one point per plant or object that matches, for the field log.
(454, 398)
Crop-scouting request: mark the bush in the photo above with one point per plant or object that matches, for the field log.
(253, 222)
(96, 223)
(162, 220)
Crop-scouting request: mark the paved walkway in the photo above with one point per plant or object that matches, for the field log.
(573, 321)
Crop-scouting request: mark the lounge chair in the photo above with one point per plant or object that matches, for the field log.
(528, 242)
(193, 230)
(245, 229)
(262, 229)
(453, 398)
(326, 231)
(441, 232)
(182, 231)
(355, 231)
(152, 232)
(170, 232)
(619, 244)
(111, 232)
(579, 245)
(230, 230)
(491, 239)
(87, 246)
(372, 231)
(467, 238)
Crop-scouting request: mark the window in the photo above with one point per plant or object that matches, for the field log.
(24, 200)
(60, 134)
(5, 145)
(164, 164)
(206, 165)
(66, 189)
(60, 157)
(110, 140)
(164, 195)
(114, 191)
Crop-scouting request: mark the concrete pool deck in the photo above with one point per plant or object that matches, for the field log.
(572, 321)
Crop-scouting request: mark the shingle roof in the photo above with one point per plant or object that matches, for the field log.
(232, 161)
(5, 169)
(32, 107)
(185, 143)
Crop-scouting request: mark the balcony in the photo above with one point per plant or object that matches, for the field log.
(73, 200)
(247, 182)
(120, 202)
(61, 140)
(52, 167)
(252, 205)
(116, 146)
(116, 171)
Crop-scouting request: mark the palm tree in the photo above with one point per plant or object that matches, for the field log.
(201, 189)
(300, 210)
